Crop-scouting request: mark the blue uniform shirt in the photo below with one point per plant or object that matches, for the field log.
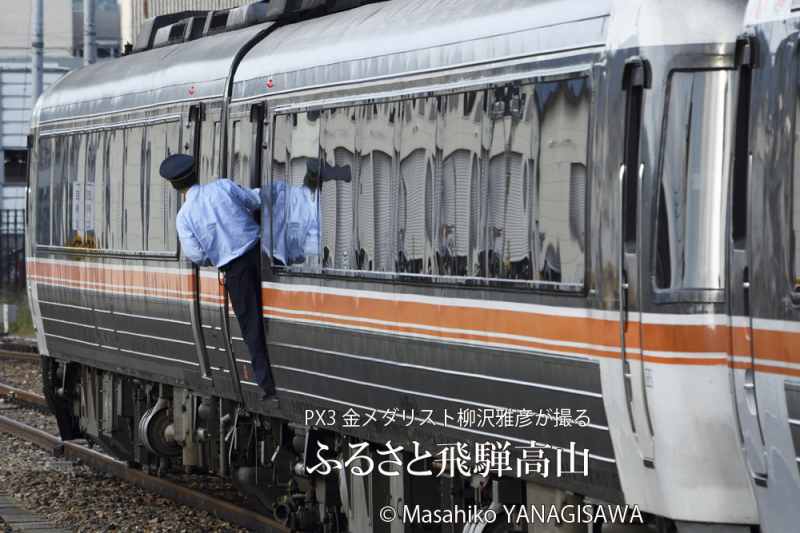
(295, 222)
(215, 223)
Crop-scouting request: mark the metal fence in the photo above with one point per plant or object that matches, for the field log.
(12, 249)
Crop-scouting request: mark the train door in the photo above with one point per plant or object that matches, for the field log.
(740, 261)
(636, 81)
(243, 166)
(203, 139)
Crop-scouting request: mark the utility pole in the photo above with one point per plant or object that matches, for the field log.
(89, 32)
(37, 52)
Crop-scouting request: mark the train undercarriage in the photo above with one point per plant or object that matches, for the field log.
(162, 429)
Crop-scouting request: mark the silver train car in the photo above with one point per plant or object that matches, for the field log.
(545, 216)
(765, 261)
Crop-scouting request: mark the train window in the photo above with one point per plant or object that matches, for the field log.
(133, 191)
(560, 226)
(415, 209)
(242, 139)
(92, 200)
(486, 184)
(75, 197)
(690, 242)
(44, 159)
(337, 197)
(59, 186)
(208, 168)
(161, 207)
(274, 196)
(795, 203)
(459, 205)
(292, 196)
(508, 187)
(113, 171)
(374, 185)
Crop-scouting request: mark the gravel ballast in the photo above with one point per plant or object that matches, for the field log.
(73, 496)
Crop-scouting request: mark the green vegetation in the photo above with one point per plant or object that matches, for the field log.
(23, 326)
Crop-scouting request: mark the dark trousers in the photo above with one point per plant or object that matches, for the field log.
(243, 283)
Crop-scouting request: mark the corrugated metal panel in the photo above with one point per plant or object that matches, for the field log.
(15, 100)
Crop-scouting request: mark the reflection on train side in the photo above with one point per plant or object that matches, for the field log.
(488, 184)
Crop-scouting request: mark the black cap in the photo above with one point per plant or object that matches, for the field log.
(178, 169)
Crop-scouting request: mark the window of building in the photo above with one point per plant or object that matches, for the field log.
(690, 247)
(16, 162)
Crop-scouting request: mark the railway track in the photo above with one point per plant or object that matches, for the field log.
(19, 355)
(75, 451)
(22, 396)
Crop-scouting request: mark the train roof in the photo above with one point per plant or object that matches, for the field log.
(194, 70)
(386, 39)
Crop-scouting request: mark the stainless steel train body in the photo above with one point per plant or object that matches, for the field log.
(765, 267)
(539, 218)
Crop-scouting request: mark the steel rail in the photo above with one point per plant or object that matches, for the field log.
(32, 357)
(22, 396)
(160, 486)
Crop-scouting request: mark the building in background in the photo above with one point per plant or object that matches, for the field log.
(63, 41)
(133, 13)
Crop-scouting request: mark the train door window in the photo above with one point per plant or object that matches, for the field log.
(242, 143)
(113, 174)
(133, 193)
(337, 198)
(690, 242)
(418, 118)
(44, 158)
(375, 184)
(273, 198)
(59, 191)
(161, 206)
(459, 200)
(562, 112)
(208, 168)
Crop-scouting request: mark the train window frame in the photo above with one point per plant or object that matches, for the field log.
(670, 295)
(580, 289)
(792, 195)
(119, 127)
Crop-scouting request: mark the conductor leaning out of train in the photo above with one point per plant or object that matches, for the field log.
(216, 226)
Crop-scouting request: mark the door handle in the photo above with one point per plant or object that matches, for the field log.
(623, 278)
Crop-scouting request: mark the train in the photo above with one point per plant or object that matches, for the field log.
(573, 227)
